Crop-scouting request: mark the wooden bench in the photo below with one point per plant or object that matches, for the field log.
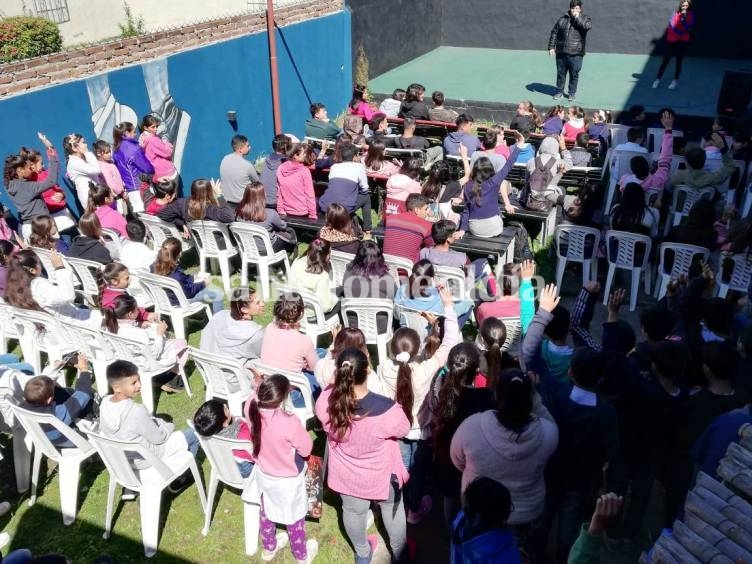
(431, 130)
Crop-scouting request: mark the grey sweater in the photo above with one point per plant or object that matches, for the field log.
(27, 195)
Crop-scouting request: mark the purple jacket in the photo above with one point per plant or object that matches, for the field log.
(131, 163)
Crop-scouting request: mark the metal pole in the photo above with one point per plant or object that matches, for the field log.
(273, 65)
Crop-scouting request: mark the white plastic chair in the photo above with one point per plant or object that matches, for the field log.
(86, 272)
(210, 238)
(618, 133)
(740, 276)
(453, 278)
(44, 257)
(314, 322)
(8, 327)
(96, 348)
(514, 333)
(366, 311)
(737, 176)
(150, 482)
(249, 238)
(655, 139)
(396, 264)
(160, 230)
(224, 378)
(68, 459)
(677, 163)
(746, 205)
(684, 257)
(619, 165)
(13, 389)
(412, 319)
(43, 333)
(576, 239)
(224, 469)
(339, 261)
(140, 355)
(158, 287)
(623, 258)
(297, 380)
(112, 241)
(684, 198)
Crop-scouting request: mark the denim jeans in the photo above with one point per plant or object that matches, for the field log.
(12, 361)
(209, 295)
(245, 468)
(192, 440)
(296, 397)
(568, 64)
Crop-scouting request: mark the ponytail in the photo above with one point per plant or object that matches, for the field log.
(108, 275)
(167, 257)
(351, 369)
(494, 364)
(271, 393)
(514, 400)
(254, 421)
(122, 306)
(98, 194)
(432, 341)
(404, 346)
(109, 320)
(461, 368)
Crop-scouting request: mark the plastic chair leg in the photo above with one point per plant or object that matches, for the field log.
(35, 475)
(263, 277)
(147, 394)
(211, 492)
(634, 290)
(586, 274)
(178, 325)
(251, 518)
(68, 472)
(224, 269)
(110, 506)
(609, 281)
(381, 347)
(21, 458)
(150, 503)
(193, 467)
(561, 265)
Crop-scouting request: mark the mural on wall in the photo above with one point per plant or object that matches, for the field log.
(106, 111)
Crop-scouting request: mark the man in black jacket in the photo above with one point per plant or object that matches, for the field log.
(567, 44)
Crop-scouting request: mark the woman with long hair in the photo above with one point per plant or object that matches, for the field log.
(364, 464)
(527, 118)
(632, 214)
(358, 105)
(678, 38)
(340, 231)
(44, 235)
(252, 208)
(311, 271)
(27, 288)
(406, 377)
(377, 163)
(454, 399)
(100, 204)
(83, 166)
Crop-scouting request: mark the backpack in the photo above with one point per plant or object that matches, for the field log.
(537, 183)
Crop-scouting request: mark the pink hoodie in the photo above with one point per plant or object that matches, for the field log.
(159, 153)
(655, 182)
(295, 194)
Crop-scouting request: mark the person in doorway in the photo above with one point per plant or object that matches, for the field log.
(567, 44)
(678, 37)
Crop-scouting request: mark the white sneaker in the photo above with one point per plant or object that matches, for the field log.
(312, 549)
(674, 84)
(282, 540)
(4, 508)
(656, 83)
(4, 539)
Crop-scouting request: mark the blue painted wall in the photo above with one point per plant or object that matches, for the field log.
(314, 58)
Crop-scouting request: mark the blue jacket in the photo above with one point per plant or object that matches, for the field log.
(131, 163)
(491, 547)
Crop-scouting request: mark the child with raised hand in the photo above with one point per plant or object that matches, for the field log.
(364, 465)
(213, 418)
(83, 166)
(103, 152)
(280, 447)
(194, 288)
(516, 299)
(480, 532)
(407, 377)
(40, 396)
(122, 418)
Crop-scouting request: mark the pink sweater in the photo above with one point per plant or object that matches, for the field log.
(112, 219)
(159, 153)
(295, 195)
(287, 349)
(112, 177)
(657, 181)
(282, 437)
(363, 463)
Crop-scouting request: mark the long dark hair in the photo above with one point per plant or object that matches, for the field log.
(98, 195)
(89, 226)
(121, 306)
(317, 257)
(119, 131)
(19, 277)
(12, 162)
(252, 207)
(438, 177)
(369, 260)
(338, 219)
(420, 278)
(630, 211)
(108, 275)
(352, 369)
(41, 232)
(482, 170)
(6, 251)
(348, 338)
(514, 400)
(168, 256)
(375, 155)
(357, 95)
(202, 196)
(494, 333)
(405, 340)
(270, 395)
(462, 366)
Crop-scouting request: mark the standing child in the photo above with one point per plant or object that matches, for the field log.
(157, 150)
(103, 152)
(83, 167)
(131, 162)
(213, 418)
(280, 447)
(364, 465)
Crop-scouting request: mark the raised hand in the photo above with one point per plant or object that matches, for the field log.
(527, 269)
(607, 507)
(592, 286)
(549, 298)
(43, 139)
(667, 120)
(446, 296)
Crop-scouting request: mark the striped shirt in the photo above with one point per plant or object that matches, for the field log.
(406, 234)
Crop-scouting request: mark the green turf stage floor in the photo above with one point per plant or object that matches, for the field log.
(607, 81)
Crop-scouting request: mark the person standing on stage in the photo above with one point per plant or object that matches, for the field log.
(678, 36)
(567, 44)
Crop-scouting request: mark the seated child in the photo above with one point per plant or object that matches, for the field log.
(161, 194)
(122, 418)
(580, 154)
(480, 532)
(40, 395)
(213, 418)
(136, 255)
(492, 334)
(575, 123)
(114, 280)
(391, 106)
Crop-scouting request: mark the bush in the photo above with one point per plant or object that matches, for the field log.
(24, 37)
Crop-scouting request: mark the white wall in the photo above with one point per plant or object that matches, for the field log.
(94, 20)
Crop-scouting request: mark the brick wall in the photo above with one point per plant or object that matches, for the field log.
(23, 76)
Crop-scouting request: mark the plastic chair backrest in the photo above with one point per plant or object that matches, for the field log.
(32, 422)
(113, 237)
(685, 197)
(41, 325)
(626, 246)
(576, 239)
(161, 230)
(219, 452)
(684, 257)
(85, 271)
(222, 376)
(396, 264)
(366, 310)
(314, 318)
(741, 273)
(44, 257)
(453, 278)
(117, 456)
(621, 162)
(157, 287)
(207, 235)
(7, 320)
(514, 333)
(618, 133)
(248, 237)
(339, 261)
(135, 351)
(297, 380)
(655, 139)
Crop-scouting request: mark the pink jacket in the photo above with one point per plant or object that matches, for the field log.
(295, 194)
(287, 349)
(112, 177)
(112, 219)
(364, 110)
(656, 181)
(282, 437)
(159, 153)
(363, 463)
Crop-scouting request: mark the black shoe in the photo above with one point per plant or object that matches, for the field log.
(174, 386)
(179, 484)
